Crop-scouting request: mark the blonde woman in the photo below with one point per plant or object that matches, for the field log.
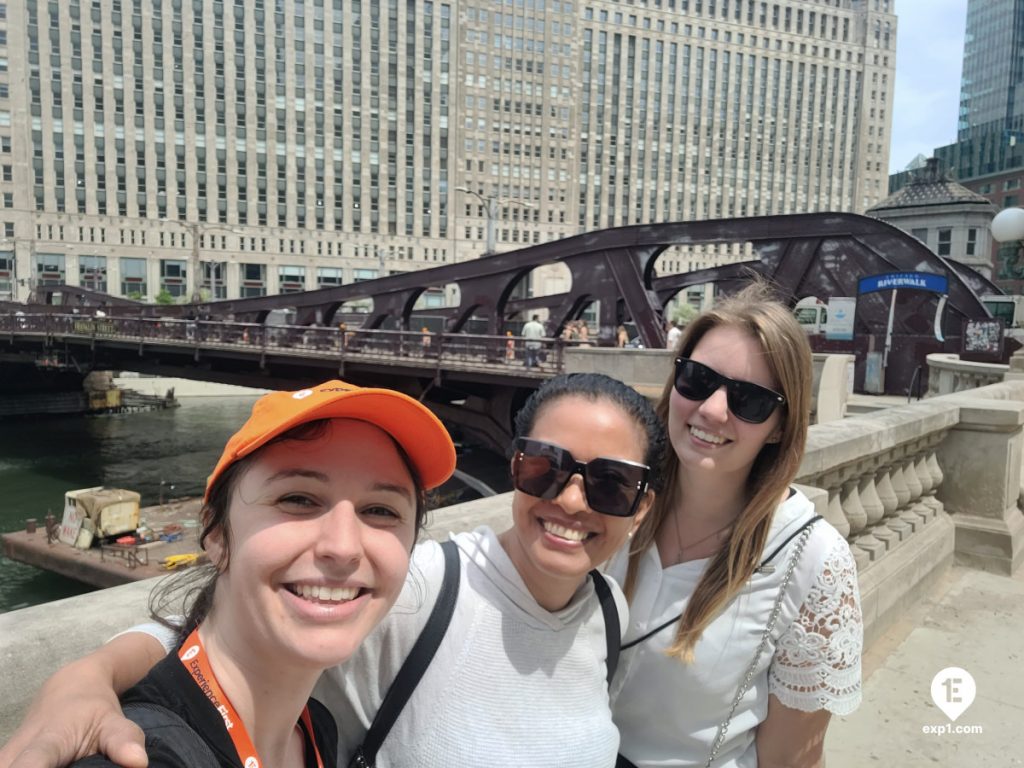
(745, 628)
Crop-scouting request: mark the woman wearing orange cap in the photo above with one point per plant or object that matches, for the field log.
(521, 677)
(309, 518)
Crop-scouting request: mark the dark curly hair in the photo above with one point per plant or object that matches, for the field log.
(595, 387)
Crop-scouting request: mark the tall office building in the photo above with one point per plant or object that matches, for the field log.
(244, 147)
(990, 131)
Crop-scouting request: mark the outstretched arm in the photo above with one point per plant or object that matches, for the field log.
(77, 713)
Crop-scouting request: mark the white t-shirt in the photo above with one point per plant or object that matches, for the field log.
(534, 331)
(668, 712)
(512, 684)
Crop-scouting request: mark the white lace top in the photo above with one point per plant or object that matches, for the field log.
(668, 712)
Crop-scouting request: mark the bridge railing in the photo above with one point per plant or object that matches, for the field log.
(418, 347)
(948, 373)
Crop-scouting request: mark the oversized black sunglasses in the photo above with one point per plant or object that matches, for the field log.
(613, 486)
(748, 401)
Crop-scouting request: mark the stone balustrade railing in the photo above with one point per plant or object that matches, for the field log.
(880, 472)
(947, 373)
(879, 479)
(914, 487)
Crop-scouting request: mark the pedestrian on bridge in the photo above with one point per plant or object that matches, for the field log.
(583, 332)
(533, 332)
(674, 334)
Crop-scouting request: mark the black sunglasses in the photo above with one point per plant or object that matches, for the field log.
(748, 401)
(613, 486)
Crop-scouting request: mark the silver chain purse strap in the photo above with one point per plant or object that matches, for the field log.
(772, 618)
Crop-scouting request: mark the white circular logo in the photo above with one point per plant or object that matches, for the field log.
(302, 394)
(191, 653)
(953, 691)
(252, 762)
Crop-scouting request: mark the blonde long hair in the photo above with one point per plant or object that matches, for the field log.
(788, 355)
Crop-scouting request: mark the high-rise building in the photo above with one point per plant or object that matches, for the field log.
(244, 147)
(990, 131)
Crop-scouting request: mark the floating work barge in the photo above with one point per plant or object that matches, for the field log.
(108, 565)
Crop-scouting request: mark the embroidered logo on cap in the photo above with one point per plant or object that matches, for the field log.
(302, 394)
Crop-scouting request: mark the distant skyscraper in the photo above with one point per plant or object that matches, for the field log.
(993, 69)
(261, 146)
(990, 130)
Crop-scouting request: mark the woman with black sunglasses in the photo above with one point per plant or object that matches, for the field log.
(520, 678)
(521, 675)
(745, 632)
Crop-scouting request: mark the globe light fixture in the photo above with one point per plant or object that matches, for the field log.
(1008, 225)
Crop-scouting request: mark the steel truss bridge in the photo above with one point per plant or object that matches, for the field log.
(479, 380)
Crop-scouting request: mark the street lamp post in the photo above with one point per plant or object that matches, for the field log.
(490, 204)
(18, 277)
(195, 268)
(1008, 227)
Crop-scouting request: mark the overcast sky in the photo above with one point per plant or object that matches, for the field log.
(929, 57)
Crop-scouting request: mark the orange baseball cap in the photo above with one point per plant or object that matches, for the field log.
(420, 433)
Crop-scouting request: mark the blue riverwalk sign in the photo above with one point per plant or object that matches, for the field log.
(918, 281)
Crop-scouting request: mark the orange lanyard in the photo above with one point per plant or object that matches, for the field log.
(193, 657)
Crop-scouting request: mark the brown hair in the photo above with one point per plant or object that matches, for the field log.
(193, 590)
(788, 355)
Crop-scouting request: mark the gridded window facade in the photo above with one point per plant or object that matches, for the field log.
(92, 272)
(750, 109)
(254, 280)
(7, 274)
(50, 269)
(133, 278)
(380, 136)
(243, 111)
(174, 277)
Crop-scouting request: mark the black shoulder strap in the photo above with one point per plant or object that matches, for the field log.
(415, 664)
(177, 734)
(763, 564)
(612, 629)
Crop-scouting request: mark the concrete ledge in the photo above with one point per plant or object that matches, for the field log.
(981, 415)
(639, 367)
(891, 585)
(158, 385)
(947, 373)
(38, 640)
(495, 511)
(842, 442)
(994, 545)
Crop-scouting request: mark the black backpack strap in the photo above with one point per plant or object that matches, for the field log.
(415, 664)
(173, 732)
(764, 566)
(612, 628)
